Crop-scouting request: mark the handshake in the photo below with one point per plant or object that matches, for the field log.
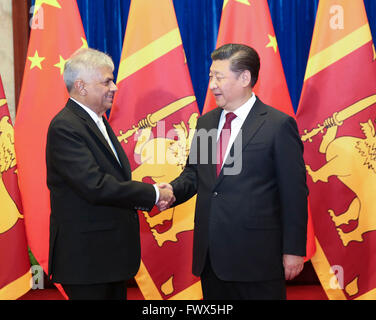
(166, 196)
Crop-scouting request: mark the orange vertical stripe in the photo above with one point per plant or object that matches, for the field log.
(149, 21)
(330, 15)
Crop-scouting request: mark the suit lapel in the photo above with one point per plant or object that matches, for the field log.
(212, 123)
(80, 112)
(254, 121)
(73, 106)
(119, 149)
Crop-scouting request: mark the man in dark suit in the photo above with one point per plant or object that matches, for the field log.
(94, 226)
(251, 211)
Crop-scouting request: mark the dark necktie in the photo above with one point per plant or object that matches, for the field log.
(223, 140)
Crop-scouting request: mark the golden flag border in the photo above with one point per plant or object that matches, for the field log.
(323, 268)
(151, 292)
(17, 288)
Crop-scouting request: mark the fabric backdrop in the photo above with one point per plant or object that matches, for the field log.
(105, 21)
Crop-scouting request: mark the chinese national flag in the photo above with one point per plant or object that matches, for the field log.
(15, 276)
(249, 22)
(57, 32)
(154, 116)
(336, 117)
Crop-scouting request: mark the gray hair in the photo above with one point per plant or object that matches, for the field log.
(84, 64)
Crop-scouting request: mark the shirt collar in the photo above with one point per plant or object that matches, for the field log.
(242, 111)
(91, 113)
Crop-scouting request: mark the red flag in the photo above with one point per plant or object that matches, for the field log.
(56, 34)
(249, 22)
(336, 117)
(15, 273)
(154, 115)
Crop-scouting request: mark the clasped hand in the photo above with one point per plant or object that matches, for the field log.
(166, 196)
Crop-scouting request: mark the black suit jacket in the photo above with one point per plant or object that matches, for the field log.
(94, 227)
(248, 218)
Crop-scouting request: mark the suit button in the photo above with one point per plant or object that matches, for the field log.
(215, 194)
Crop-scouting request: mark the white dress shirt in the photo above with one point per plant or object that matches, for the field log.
(236, 124)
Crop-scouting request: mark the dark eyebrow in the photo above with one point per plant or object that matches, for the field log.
(215, 72)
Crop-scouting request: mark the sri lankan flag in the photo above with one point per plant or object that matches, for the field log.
(336, 117)
(15, 276)
(154, 116)
(58, 35)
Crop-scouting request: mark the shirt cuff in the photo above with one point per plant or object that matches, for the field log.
(157, 193)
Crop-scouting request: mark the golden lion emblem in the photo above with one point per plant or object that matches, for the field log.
(353, 161)
(176, 152)
(9, 212)
(162, 159)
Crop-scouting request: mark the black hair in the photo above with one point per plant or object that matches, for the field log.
(242, 57)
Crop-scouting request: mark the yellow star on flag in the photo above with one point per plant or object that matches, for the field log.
(61, 64)
(2, 102)
(246, 2)
(84, 43)
(272, 43)
(53, 3)
(38, 4)
(374, 52)
(36, 61)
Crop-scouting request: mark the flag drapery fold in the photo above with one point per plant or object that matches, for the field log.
(15, 276)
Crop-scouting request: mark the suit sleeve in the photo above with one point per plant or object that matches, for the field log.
(185, 186)
(69, 156)
(291, 177)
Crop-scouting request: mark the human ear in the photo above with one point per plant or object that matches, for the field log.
(246, 78)
(79, 85)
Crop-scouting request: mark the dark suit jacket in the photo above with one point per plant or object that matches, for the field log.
(247, 221)
(94, 227)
